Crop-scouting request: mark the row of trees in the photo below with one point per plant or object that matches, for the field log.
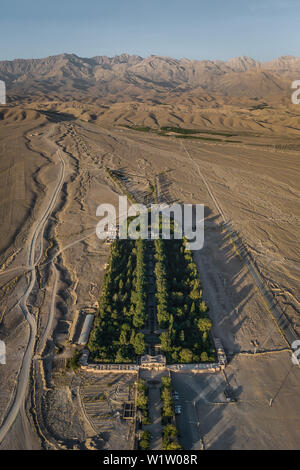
(139, 294)
(169, 438)
(144, 442)
(167, 401)
(142, 401)
(114, 175)
(122, 306)
(181, 310)
(160, 272)
(170, 432)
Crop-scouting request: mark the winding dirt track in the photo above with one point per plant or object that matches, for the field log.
(37, 234)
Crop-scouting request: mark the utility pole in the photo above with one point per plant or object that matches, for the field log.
(280, 387)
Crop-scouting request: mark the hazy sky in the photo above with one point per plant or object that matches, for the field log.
(197, 29)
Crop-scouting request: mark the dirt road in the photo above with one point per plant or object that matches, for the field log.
(33, 260)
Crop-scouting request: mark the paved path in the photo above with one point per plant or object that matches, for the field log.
(155, 428)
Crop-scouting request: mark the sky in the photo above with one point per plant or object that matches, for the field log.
(195, 29)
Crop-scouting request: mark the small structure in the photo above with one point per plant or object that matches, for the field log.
(86, 329)
(153, 362)
(115, 368)
(200, 368)
(222, 359)
(84, 357)
(128, 410)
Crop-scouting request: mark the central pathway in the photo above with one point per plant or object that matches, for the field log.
(151, 330)
(153, 379)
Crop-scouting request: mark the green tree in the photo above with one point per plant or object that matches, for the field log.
(204, 356)
(186, 356)
(165, 341)
(125, 334)
(166, 382)
(181, 336)
(74, 361)
(145, 440)
(203, 307)
(139, 343)
(142, 398)
(174, 445)
(204, 324)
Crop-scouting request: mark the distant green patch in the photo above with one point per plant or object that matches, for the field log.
(142, 129)
(181, 131)
(212, 139)
(198, 138)
(138, 128)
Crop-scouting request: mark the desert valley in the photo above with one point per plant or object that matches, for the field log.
(77, 132)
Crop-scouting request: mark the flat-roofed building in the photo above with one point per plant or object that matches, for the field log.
(86, 329)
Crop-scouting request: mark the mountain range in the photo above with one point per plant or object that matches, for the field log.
(152, 79)
(240, 95)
